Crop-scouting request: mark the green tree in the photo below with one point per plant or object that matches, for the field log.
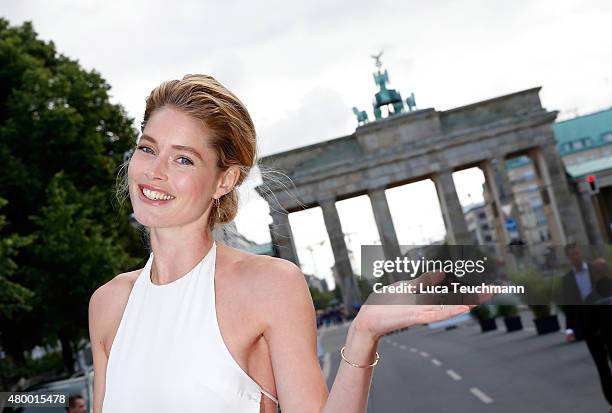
(13, 296)
(319, 299)
(61, 144)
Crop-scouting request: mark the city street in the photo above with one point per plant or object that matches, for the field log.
(430, 370)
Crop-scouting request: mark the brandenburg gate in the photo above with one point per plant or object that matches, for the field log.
(411, 145)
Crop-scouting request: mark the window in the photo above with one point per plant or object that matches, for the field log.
(482, 215)
(487, 238)
(577, 144)
(528, 174)
(586, 141)
(606, 137)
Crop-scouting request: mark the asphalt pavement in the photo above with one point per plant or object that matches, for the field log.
(430, 370)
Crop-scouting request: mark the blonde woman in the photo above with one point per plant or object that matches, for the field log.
(204, 327)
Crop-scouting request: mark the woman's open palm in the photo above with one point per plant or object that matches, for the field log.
(383, 313)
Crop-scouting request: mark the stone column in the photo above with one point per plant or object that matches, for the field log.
(592, 218)
(506, 195)
(498, 215)
(562, 203)
(454, 219)
(384, 223)
(341, 257)
(282, 237)
(501, 232)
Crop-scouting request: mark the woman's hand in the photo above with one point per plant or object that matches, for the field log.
(385, 313)
(381, 314)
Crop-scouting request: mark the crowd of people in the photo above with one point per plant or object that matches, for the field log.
(330, 316)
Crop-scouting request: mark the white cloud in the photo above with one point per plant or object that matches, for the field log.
(321, 113)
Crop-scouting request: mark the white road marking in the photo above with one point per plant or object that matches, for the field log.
(529, 329)
(481, 396)
(413, 350)
(436, 362)
(453, 375)
(422, 353)
(403, 347)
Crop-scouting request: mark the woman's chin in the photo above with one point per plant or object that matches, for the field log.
(148, 221)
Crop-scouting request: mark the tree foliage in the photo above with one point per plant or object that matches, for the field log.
(13, 296)
(61, 144)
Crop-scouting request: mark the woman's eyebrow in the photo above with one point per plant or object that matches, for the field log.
(179, 147)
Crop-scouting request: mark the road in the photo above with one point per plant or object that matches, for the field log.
(430, 370)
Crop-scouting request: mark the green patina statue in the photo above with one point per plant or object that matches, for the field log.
(389, 98)
(362, 116)
(385, 97)
(411, 102)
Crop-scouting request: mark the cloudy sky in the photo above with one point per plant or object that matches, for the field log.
(300, 66)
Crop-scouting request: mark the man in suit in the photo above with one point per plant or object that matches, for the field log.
(583, 285)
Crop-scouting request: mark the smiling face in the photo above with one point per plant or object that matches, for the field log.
(172, 175)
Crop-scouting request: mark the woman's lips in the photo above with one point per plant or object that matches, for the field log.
(150, 201)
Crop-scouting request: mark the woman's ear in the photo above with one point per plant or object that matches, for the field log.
(228, 181)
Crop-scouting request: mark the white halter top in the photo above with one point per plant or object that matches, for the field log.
(168, 354)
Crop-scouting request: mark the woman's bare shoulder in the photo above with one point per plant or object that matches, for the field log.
(108, 301)
(274, 290)
(265, 277)
(117, 287)
(259, 268)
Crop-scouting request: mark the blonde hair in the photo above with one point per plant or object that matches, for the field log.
(233, 135)
(233, 139)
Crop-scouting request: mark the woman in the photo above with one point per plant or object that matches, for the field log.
(205, 327)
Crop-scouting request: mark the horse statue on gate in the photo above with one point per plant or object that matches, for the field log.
(362, 116)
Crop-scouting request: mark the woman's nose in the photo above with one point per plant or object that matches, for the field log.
(157, 169)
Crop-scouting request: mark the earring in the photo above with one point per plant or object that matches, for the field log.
(217, 202)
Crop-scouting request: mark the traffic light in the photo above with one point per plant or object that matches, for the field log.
(592, 184)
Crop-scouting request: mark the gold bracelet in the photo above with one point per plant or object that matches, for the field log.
(357, 365)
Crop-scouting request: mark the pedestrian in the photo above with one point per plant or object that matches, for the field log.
(204, 326)
(76, 404)
(593, 322)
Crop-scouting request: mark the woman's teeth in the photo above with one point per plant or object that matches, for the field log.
(156, 196)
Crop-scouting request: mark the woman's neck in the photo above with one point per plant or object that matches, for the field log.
(176, 251)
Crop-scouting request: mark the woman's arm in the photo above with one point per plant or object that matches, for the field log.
(291, 334)
(106, 307)
(96, 323)
(351, 387)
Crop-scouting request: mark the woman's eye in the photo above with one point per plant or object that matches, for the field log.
(187, 161)
(182, 160)
(145, 149)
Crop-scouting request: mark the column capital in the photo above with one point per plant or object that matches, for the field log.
(326, 199)
(376, 188)
(442, 172)
(278, 215)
